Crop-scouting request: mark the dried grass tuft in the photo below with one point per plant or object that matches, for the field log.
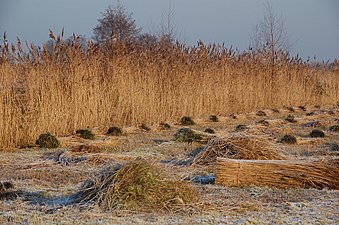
(238, 146)
(137, 185)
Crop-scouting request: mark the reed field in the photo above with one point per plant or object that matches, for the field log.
(69, 87)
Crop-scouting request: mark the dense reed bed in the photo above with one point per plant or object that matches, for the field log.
(68, 86)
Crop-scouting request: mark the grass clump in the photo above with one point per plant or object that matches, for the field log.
(264, 122)
(144, 127)
(290, 108)
(186, 121)
(275, 111)
(137, 185)
(164, 126)
(186, 135)
(47, 140)
(303, 108)
(317, 133)
(310, 113)
(288, 139)
(261, 113)
(114, 131)
(85, 134)
(334, 128)
(213, 118)
(290, 118)
(241, 127)
(4, 186)
(209, 131)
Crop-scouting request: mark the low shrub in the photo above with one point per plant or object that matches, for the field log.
(334, 128)
(275, 111)
(47, 140)
(241, 127)
(264, 122)
(303, 108)
(114, 131)
(288, 139)
(86, 134)
(317, 133)
(213, 118)
(209, 131)
(290, 118)
(186, 135)
(164, 125)
(261, 113)
(186, 121)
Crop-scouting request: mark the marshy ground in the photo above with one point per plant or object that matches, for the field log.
(43, 179)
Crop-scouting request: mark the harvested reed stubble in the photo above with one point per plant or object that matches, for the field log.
(278, 173)
(137, 185)
(238, 146)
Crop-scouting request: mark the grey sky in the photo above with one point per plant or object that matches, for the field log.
(312, 25)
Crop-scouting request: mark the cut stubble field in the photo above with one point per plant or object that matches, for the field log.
(48, 183)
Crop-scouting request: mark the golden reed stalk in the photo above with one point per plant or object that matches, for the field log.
(68, 87)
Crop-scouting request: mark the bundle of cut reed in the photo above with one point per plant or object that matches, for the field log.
(137, 185)
(238, 146)
(278, 173)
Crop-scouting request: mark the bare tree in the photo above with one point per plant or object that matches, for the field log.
(116, 24)
(270, 35)
(166, 30)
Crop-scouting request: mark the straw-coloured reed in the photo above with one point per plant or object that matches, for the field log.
(278, 173)
(137, 185)
(238, 146)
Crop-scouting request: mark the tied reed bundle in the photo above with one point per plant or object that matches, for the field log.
(278, 173)
(137, 185)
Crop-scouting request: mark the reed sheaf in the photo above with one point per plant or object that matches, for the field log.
(67, 86)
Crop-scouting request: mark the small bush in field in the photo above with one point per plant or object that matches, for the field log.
(144, 127)
(86, 134)
(291, 119)
(47, 140)
(114, 131)
(164, 126)
(264, 122)
(275, 111)
(186, 135)
(334, 128)
(213, 118)
(241, 127)
(303, 108)
(288, 139)
(310, 114)
(289, 108)
(317, 133)
(261, 113)
(186, 121)
(209, 131)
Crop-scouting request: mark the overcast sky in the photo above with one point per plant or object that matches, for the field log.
(312, 25)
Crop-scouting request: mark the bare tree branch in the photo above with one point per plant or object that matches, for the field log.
(116, 24)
